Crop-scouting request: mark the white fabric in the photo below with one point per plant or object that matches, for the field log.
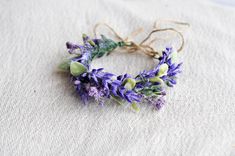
(41, 115)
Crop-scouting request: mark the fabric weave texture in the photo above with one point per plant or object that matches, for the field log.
(40, 113)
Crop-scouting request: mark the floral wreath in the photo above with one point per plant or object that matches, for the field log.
(96, 83)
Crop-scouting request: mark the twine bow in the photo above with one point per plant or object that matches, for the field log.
(145, 46)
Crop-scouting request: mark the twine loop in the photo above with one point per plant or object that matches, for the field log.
(145, 45)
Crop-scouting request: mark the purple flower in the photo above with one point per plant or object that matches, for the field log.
(97, 94)
(72, 47)
(169, 78)
(158, 103)
(173, 70)
(99, 84)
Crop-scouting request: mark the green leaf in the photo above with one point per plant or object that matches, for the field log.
(110, 45)
(84, 36)
(135, 107)
(155, 87)
(157, 93)
(77, 68)
(174, 57)
(162, 70)
(118, 100)
(65, 65)
(104, 37)
(147, 92)
(129, 83)
(156, 79)
(92, 43)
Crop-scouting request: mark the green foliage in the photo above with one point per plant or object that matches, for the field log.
(77, 68)
(129, 83)
(156, 79)
(135, 107)
(162, 70)
(104, 47)
(153, 90)
(174, 57)
(117, 99)
(65, 65)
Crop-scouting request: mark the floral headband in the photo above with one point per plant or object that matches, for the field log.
(147, 86)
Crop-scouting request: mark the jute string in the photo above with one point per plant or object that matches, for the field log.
(145, 45)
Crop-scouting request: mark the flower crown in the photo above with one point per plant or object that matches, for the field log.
(96, 83)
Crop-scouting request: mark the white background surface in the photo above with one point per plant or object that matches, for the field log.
(40, 114)
(226, 2)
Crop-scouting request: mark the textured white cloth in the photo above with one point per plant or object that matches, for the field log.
(41, 115)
